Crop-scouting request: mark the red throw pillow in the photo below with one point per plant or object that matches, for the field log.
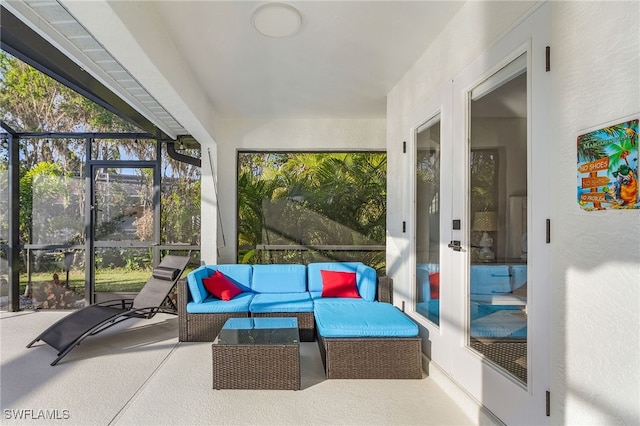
(339, 284)
(434, 285)
(221, 286)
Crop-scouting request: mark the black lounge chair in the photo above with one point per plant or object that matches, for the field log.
(71, 330)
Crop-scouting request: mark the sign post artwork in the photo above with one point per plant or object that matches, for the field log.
(608, 168)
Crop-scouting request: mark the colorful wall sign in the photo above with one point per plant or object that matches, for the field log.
(608, 168)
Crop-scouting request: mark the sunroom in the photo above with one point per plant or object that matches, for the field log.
(468, 111)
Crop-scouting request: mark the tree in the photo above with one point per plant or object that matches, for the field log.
(33, 102)
(311, 199)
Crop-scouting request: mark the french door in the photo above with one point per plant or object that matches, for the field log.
(481, 220)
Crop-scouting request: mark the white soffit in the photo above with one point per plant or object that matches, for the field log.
(54, 23)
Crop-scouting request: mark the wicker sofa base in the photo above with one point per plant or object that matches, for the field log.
(371, 357)
(204, 327)
(306, 322)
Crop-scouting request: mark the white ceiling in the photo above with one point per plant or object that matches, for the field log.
(346, 58)
(343, 62)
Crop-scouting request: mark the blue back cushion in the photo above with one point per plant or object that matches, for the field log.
(239, 274)
(194, 281)
(279, 278)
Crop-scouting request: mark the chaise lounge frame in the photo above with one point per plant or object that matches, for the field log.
(67, 333)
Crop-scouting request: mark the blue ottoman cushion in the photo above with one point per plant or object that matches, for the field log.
(375, 319)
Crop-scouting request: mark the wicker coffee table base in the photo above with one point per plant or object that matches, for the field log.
(256, 366)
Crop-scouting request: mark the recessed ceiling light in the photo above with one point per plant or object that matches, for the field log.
(277, 20)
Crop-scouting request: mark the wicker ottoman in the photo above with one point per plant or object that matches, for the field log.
(371, 358)
(367, 340)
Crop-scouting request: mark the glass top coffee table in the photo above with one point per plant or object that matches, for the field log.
(257, 353)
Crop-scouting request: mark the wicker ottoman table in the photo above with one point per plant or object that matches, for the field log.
(257, 353)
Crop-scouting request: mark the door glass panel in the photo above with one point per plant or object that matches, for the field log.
(497, 319)
(428, 220)
(123, 204)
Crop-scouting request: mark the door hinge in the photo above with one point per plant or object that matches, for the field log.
(404, 147)
(548, 404)
(548, 59)
(548, 237)
(404, 226)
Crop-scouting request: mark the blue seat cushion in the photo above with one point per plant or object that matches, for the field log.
(281, 302)
(373, 319)
(213, 305)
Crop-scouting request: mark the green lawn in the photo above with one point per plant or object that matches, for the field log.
(117, 279)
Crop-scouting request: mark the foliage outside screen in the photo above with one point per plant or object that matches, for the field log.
(326, 206)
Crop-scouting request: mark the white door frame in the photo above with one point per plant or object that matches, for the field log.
(511, 401)
(439, 336)
(507, 398)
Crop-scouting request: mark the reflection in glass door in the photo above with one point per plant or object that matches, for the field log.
(125, 208)
(497, 199)
(428, 220)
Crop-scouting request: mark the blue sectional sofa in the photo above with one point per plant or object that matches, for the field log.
(359, 337)
(267, 290)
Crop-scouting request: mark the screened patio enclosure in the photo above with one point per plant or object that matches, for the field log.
(86, 208)
(85, 216)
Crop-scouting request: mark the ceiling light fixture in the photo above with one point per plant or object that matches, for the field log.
(277, 20)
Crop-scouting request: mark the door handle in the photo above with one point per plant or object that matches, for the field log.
(455, 245)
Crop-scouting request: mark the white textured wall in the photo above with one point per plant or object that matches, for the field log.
(595, 337)
(271, 135)
(472, 31)
(596, 267)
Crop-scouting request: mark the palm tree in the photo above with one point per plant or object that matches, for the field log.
(624, 140)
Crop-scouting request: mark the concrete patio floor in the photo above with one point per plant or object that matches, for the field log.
(137, 373)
